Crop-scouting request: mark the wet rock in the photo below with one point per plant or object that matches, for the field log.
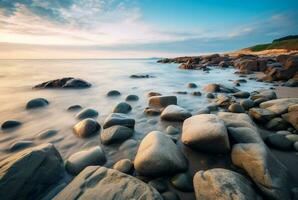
(152, 111)
(192, 85)
(87, 113)
(10, 124)
(236, 108)
(258, 101)
(47, 134)
(132, 97)
(267, 94)
(181, 92)
(212, 107)
(222, 184)
(183, 182)
(283, 132)
(247, 104)
(292, 118)
(124, 166)
(203, 111)
(171, 130)
(158, 155)
(162, 101)
(205, 132)
(197, 93)
(169, 195)
(264, 169)
(141, 76)
(296, 146)
(279, 141)
(279, 106)
(68, 82)
(30, 173)
(247, 66)
(118, 119)
(122, 107)
(224, 100)
(153, 94)
(220, 88)
(159, 184)
(82, 159)
(19, 145)
(110, 183)
(292, 137)
(277, 124)
(174, 113)
(86, 128)
(244, 135)
(37, 103)
(74, 108)
(113, 93)
(115, 134)
(261, 115)
(241, 94)
(210, 96)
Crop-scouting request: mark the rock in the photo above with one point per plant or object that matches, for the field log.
(153, 94)
(141, 76)
(82, 159)
(237, 120)
(129, 148)
(19, 145)
(296, 146)
(244, 135)
(236, 108)
(152, 111)
(174, 113)
(277, 124)
(68, 82)
(47, 134)
(74, 108)
(293, 108)
(110, 183)
(30, 173)
(212, 107)
(241, 94)
(247, 66)
(115, 134)
(10, 124)
(158, 155)
(197, 93)
(205, 132)
(203, 111)
(261, 115)
(122, 107)
(159, 184)
(283, 132)
(279, 106)
(124, 166)
(87, 113)
(279, 141)
(292, 137)
(247, 104)
(267, 94)
(113, 93)
(292, 118)
(119, 119)
(86, 128)
(162, 101)
(181, 92)
(265, 170)
(224, 100)
(183, 182)
(132, 97)
(37, 103)
(171, 130)
(210, 96)
(192, 85)
(170, 196)
(222, 184)
(258, 101)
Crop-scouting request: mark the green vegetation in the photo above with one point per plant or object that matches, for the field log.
(289, 44)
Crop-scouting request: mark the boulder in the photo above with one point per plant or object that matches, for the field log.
(247, 104)
(175, 113)
(124, 166)
(205, 132)
(10, 124)
(158, 155)
(279, 141)
(30, 173)
(292, 118)
(96, 182)
(82, 159)
(119, 119)
(261, 115)
(182, 182)
(115, 134)
(237, 120)
(279, 106)
(269, 174)
(113, 93)
(244, 135)
(86, 128)
(247, 65)
(37, 103)
(162, 101)
(122, 107)
(132, 97)
(210, 96)
(87, 113)
(236, 108)
(277, 124)
(68, 82)
(222, 184)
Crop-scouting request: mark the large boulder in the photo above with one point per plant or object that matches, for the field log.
(265, 170)
(119, 119)
(86, 128)
(205, 132)
(158, 155)
(247, 65)
(279, 106)
(30, 173)
(222, 184)
(175, 113)
(68, 82)
(101, 183)
(115, 133)
(82, 159)
(162, 101)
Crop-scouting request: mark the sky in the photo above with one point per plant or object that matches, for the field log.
(39, 29)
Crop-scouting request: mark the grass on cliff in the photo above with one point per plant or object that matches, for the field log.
(291, 44)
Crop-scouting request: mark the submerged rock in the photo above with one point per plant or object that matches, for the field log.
(30, 173)
(47, 134)
(162, 101)
(122, 107)
(192, 85)
(37, 103)
(10, 124)
(115, 133)
(96, 182)
(141, 76)
(132, 97)
(113, 93)
(119, 119)
(68, 82)
(19, 145)
(74, 108)
(87, 113)
(175, 113)
(158, 155)
(86, 128)
(222, 184)
(82, 159)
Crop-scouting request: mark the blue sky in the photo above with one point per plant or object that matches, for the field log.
(139, 28)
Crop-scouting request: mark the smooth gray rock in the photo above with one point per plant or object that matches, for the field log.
(247, 104)
(279, 106)
(182, 182)
(296, 146)
(101, 183)
(205, 132)
(241, 94)
(162, 101)
(236, 108)
(30, 173)
(19, 145)
(280, 142)
(192, 85)
(158, 155)
(222, 184)
(175, 113)
(113, 93)
(171, 130)
(244, 135)
(46, 134)
(68, 82)
(82, 159)
(277, 124)
(132, 97)
(122, 107)
(37, 103)
(87, 113)
(86, 128)
(292, 137)
(159, 184)
(203, 111)
(115, 134)
(118, 119)
(10, 124)
(237, 120)
(74, 108)
(124, 166)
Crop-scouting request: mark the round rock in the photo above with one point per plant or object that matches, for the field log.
(113, 93)
(87, 113)
(279, 141)
(10, 124)
(132, 97)
(37, 103)
(236, 108)
(119, 119)
(124, 166)
(86, 128)
(115, 134)
(183, 182)
(192, 85)
(247, 104)
(122, 107)
(175, 113)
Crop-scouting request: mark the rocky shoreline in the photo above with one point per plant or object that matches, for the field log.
(242, 129)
